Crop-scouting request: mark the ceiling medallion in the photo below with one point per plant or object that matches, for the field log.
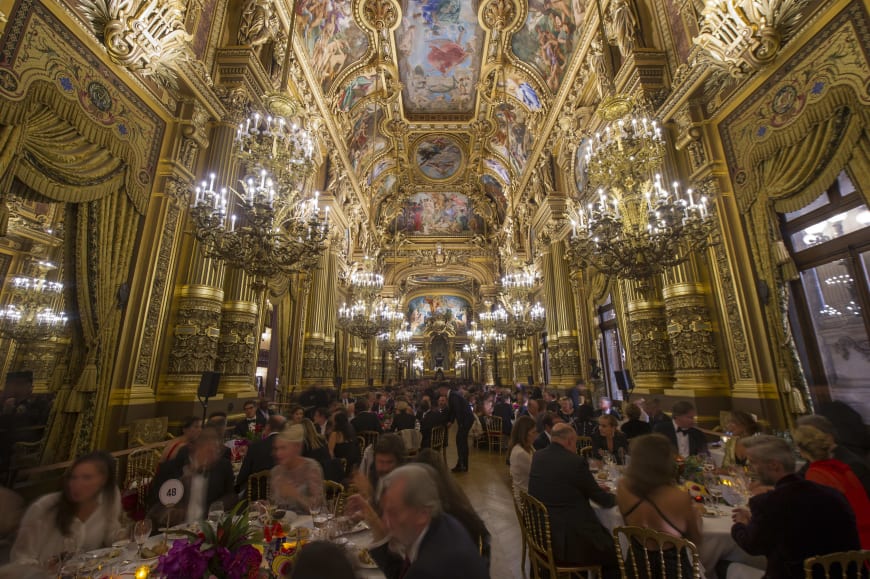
(438, 157)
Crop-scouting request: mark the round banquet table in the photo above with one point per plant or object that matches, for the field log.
(717, 543)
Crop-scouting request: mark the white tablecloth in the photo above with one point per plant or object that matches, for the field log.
(717, 543)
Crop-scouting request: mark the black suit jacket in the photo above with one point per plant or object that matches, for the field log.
(562, 481)
(697, 441)
(429, 421)
(219, 485)
(634, 428)
(366, 421)
(259, 458)
(504, 411)
(796, 520)
(458, 409)
(403, 421)
(242, 429)
(542, 441)
(445, 551)
(620, 443)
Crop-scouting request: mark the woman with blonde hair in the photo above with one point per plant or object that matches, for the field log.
(815, 446)
(296, 482)
(740, 424)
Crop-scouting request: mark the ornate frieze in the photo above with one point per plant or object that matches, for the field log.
(648, 334)
(690, 334)
(237, 346)
(195, 343)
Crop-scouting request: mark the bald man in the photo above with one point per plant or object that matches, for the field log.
(561, 479)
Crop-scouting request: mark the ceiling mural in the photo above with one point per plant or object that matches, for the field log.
(512, 139)
(332, 37)
(421, 308)
(549, 37)
(439, 43)
(436, 279)
(494, 190)
(438, 213)
(498, 168)
(380, 166)
(438, 157)
(365, 138)
(355, 92)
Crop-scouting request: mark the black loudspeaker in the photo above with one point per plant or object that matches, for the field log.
(544, 342)
(623, 381)
(208, 384)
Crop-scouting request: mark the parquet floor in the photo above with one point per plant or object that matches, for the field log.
(487, 484)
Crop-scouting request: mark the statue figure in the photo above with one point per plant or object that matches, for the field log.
(258, 24)
(622, 26)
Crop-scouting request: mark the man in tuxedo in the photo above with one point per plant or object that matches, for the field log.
(545, 423)
(207, 478)
(502, 409)
(681, 431)
(561, 480)
(263, 410)
(605, 406)
(252, 422)
(259, 456)
(424, 541)
(459, 411)
(654, 412)
(797, 519)
(321, 417)
(429, 419)
(364, 420)
(567, 412)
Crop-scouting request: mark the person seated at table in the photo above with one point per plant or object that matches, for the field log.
(83, 516)
(455, 502)
(190, 429)
(609, 440)
(260, 455)
(403, 419)
(567, 413)
(429, 419)
(546, 421)
(859, 465)
(296, 482)
(320, 559)
(634, 426)
(815, 447)
(740, 424)
(681, 431)
(295, 414)
(342, 441)
(606, 408)
(364, 420)
(321, 421)
(316, 447)
(252, 424)
(561, 480)
(797, 519)
(647, 496)
(521, 450)
(502, 409)
(207, 478)
(654, 412)
(386, 455)
(424, 541)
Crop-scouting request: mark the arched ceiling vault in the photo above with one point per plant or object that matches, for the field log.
(438, 110)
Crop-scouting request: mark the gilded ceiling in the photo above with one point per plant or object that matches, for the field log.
(439, 103)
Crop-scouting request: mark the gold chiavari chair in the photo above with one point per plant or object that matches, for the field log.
(536, 528)
(583, 442)
(586, 452)
(259, 486)
(438, 441)
(366, 438)
(837, 565)
(642, 561)
(515, 494)
(492, 432)
(333, 493)
(141, 467)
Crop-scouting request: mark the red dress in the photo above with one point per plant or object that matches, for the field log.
(838, 475)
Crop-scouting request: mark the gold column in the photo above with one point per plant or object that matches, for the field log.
(319, 349)
(239, 336)
(565, 340)
(651, 365)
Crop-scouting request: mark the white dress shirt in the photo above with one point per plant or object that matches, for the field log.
(682, 441)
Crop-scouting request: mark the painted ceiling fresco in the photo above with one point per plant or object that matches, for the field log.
(439, 213)
(439, 44)
(332, 38)
(421, 308)
(549, 37)
(365, 138)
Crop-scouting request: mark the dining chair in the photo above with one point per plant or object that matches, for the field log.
(334, 494)
(515, 495)
(258, 486)
(141, 464)
(366, 438)
(492, 431)
(438, 441)
(853, 564)
(586, 452)
(536, 527)
(646, 555)
(583, 442)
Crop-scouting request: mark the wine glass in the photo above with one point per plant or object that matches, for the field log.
(716, 492)
(215, 512)
(141, 532)
(317, 507)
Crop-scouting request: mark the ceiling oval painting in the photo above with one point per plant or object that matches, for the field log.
(440, 47)
(332, 38)
(439, 213)
(549, 37)
(438, 157)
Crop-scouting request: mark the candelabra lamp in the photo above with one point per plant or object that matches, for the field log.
(518, 316)
(266, 225)
(34, 310)
(632, 225)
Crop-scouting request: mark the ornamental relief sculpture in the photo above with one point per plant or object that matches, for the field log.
(649, 345)
(691, 338)
(237, 346)
(195, 345)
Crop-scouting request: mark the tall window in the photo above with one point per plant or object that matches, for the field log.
(829, 240)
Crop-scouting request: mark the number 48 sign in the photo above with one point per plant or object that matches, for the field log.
(171, 492)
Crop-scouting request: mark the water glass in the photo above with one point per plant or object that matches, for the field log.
(141, 532)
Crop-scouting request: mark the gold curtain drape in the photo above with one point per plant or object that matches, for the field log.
(793, 168)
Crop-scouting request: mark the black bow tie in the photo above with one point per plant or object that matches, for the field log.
(683, 430)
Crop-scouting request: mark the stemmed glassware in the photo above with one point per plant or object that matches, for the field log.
(141, 532)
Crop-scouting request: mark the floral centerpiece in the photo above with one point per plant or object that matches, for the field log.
(690, 468)
(224, 551)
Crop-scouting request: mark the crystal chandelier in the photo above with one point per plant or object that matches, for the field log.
(368, 315)
(34, 309)
(398, 333)
(486, 337)
(517, 316)
(634, 226)
(266, 226)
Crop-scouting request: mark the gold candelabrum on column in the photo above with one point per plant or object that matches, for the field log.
(268, 225)
(34, 310)
(518, 316)
(632, 224)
